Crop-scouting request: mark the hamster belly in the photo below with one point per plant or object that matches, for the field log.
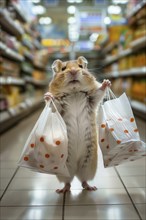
(81, 128)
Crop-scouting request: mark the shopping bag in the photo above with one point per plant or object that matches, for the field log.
(119, 138)
(46, 148)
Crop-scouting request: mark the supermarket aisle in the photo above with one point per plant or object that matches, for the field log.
(31, 196)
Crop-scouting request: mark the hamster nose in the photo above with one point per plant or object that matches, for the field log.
(73, 72)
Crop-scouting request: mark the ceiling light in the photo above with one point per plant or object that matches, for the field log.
(38, 10)
(71, 9)
(71, 1)
(74, 1)
(71, 20)
(120, 1)
(94, 37)
(45, 20)
(79, 1)
(36, 1)
(107, 20)
(114, 9)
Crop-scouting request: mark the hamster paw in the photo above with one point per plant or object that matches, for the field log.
(86, 186)
(65, 189)
(48, 96)
(106, 83)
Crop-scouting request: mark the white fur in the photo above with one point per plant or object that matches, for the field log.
(78, 121)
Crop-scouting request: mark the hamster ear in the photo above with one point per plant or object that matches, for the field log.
(82, 61)
(56, 66)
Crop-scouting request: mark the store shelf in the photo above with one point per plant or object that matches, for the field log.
(37, 44)
(125, 73)
(9, 24)
(28, 44)
(22, 82)
(14, 115)
(138, 43)
(135, 45)
(27, 69)
(24, 106)
(29, 56)
(114, 58)
(18, 10)
(11, 81)
(36, 82)
(136, 9)
(110, 59)
(9, 53)
(109, 48)
(5, 115)
(28, 31)
(39, 67)
(11, 20)
(125, 53)
(139, 108)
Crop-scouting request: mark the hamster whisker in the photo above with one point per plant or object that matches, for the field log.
(97, 68)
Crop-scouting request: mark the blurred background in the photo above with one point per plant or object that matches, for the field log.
(111, 34)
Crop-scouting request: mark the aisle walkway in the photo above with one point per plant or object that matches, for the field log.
(26, 195)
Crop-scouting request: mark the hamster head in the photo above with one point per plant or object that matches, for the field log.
(71, 76)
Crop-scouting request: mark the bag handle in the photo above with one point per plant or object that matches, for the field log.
(54, 105)
(109, 94)
(51, 101)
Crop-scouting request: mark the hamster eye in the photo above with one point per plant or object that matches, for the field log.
(63, 68)
(81, 66)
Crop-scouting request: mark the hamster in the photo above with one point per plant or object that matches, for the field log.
(77, 96)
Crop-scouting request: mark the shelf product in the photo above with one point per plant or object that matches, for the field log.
(22, 56)
(125, 64)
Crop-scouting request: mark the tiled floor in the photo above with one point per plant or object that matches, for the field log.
(27, 195)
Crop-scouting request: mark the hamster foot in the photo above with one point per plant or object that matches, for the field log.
(86, 186)
(65, 189)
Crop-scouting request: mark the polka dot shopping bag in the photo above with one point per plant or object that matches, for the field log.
(119, 138)
(46, 148)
